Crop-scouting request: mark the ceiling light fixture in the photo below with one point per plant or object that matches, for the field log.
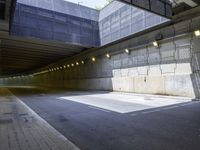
(108, 56)
(197, 33)
(155, 43)
(93, 59)
(127, 51)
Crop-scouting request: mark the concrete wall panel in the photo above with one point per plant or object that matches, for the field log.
(179, 85)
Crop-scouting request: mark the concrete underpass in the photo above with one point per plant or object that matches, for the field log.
(125, 77)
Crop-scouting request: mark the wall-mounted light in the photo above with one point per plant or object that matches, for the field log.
(197, 33)
(64, 67)
(72, 65)
(82, 62)
(68, 66)
(156, 44)
(57, 68)
(77, 63)
(93, 59)
(108, 56)
(127, 51)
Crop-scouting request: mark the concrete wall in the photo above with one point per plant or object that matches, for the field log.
(143, 71)
(64, 7)
(119, 20)
(146, 70)
(68, 22)
(56, 20)
(171, 69)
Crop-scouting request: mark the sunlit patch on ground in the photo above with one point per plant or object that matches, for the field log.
(123, 103)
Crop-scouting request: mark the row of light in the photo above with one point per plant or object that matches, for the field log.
(67, 66)
(93, 59)
(22, 76)
(127, 51)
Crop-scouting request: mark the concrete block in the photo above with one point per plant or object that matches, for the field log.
(124, 84)
(154, 70)
(184, 53)
(168, 69)
(133, 72)
(117, 63)
(182, 27)
(183, 41)
(116, 73)
(153, 85)
(179, 86)
(142, 71)
(125, 62)
(154, 56)
(125, 72)
(168, 56)
(134, 61)
(183, 69)
(196, 44)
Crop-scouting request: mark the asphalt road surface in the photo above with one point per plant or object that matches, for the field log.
(95, 121)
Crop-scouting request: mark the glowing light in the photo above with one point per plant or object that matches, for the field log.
(197, 33)
(155, 43)
(82, 62)
(93, 59)
(77, 63)
(127, 51)
(108, 56)
(72, 65)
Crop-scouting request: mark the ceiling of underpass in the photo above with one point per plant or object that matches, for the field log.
(21, 55)
(183, 5)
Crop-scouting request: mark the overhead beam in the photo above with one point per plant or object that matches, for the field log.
(190, 3)
(160, 7)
